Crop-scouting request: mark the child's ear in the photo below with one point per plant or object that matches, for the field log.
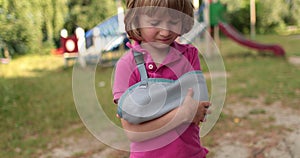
(138, 32)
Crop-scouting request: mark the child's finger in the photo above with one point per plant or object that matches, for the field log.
(190, 92)
(206, 104)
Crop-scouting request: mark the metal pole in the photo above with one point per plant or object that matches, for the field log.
(196, 4)
(207, 23)
(120, 17)
(252, 18)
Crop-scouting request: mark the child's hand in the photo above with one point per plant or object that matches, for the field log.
(204, 110)
(192, 110)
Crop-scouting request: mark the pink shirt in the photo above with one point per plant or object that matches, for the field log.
(183, 141)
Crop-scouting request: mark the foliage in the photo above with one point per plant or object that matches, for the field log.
(268, 18)
(293, 18)
(242, 21)
(29, 24)
(271, 15)
(88, 13)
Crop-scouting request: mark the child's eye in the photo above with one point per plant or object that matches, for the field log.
(154, 23)
(174, 22)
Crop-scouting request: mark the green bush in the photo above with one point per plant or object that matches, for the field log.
(271, 15)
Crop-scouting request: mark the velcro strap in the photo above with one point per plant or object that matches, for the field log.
(139, 58)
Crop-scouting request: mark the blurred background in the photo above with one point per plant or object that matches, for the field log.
(38, 117)
(31, 26)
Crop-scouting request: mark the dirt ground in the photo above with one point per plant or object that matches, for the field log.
(283, 139)
(248, 143)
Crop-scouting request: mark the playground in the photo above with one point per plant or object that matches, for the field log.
(259, 119)
(106, 42)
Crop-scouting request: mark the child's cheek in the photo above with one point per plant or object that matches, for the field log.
(176, 29)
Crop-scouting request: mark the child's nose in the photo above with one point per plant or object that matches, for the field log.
(164, 32)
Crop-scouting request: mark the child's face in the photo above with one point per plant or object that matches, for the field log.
(160, 29)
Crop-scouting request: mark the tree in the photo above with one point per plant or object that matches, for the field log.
(53, 13)
(270, 14)
(88, 13)
(16, 21)
(293, 17)
(30, 24)
(269, 18)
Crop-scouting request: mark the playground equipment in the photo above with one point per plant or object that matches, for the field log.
(233, 34)
(102, 44)
(72, 46)
(69, 46)
(106, 41)
(213, 17)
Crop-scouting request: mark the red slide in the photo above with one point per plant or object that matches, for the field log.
(236, 36)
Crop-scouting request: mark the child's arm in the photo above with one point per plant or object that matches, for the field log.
(191, 111)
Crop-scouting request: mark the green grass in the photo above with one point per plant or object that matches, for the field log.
(37, 107)
(36, 104)
(104, 75)
(259, 74)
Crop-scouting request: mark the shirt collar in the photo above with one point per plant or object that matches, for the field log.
(174, 54)
(137, 47)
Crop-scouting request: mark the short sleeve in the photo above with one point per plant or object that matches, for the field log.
(123, 77)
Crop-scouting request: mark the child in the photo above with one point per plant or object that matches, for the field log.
(154, 25)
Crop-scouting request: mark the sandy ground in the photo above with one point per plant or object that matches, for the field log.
(286, 144)
(233, 144)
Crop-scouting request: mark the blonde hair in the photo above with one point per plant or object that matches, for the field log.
(183, 6)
